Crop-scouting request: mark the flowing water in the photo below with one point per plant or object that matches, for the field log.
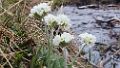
(83, 20)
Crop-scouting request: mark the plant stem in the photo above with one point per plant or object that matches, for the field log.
(65, 56)
(80, 49)
(6, 58)
(89, 55)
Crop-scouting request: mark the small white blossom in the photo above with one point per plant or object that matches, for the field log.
(87, 38)
(66, 37)
(57, 40)
(40, 9)
(50, 19)
(63, 20)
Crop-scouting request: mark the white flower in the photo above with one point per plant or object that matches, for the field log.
(66, 37)
(50, 19)
(63, 20)
(87, 38)
(57, 40)
(40, 9)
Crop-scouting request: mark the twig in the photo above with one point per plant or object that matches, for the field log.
(103, 62)
(1, 66)
(6, 58)
(11, 7)
(0, 3)
(91, 63)
(4, 9)
(80, 49)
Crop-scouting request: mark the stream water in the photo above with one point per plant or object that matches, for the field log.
(83, 20)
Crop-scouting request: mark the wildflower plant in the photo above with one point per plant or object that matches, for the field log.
(54, 29)
(53, 53)
(87, 40)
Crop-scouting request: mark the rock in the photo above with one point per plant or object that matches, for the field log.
(115, 33)
(97, 26)
(101, 22)
(84, 23)
(82, 7)
(107, 24)
(79, 25)
(113, 23)
(101, 47)
(112, 5)
(105, 2)
(114, 47)
(95, 57)
(93, 6)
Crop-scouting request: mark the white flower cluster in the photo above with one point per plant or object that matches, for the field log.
(87, 38)
(61, 20)
(65, 37)
(40, 9)
(43, 8)
(50, 19)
